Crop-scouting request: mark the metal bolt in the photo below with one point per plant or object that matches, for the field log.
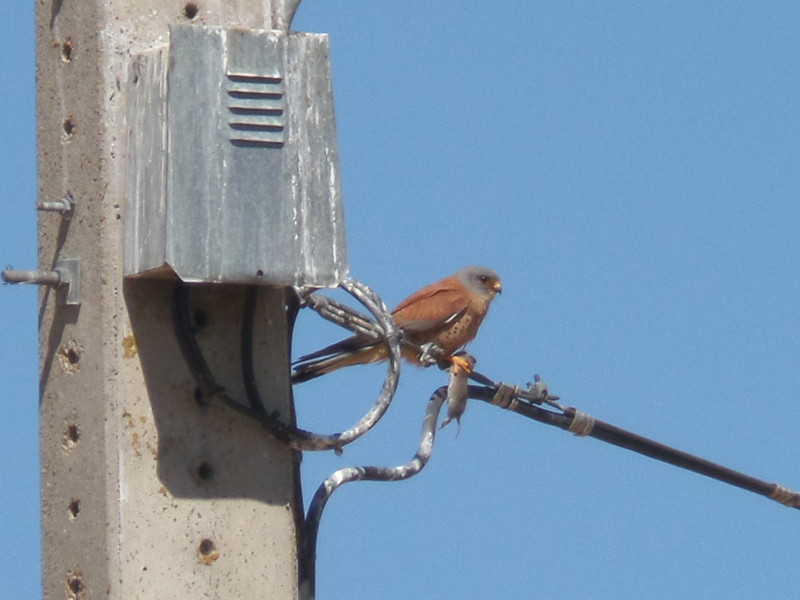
(65, 206)
(66, 277)
(52, 278)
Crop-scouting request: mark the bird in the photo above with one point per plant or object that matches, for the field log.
(446, 313)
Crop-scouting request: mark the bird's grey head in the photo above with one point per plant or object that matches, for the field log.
(481, 280)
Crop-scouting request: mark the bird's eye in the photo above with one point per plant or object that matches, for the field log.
(484, 278)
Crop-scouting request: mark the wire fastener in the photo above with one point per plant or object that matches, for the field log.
(582, 424)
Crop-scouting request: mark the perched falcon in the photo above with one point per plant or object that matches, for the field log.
(447, 313)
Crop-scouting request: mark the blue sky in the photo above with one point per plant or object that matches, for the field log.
(631, 171)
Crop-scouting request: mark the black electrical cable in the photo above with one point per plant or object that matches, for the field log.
(308, 550)
(246, 350)
(295, 437)
(617, 436)
(184, 332)
(193, 355)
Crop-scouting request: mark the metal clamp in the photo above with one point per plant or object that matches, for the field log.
(66, 276)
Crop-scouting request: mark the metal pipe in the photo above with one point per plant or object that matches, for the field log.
(37, 277)
(65, 206)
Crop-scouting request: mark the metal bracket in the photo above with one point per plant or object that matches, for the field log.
(66, 278)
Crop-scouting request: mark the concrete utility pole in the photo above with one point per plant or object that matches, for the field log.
(148, 489)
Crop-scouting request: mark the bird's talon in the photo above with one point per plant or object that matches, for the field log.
(427, 357)
(461, 364)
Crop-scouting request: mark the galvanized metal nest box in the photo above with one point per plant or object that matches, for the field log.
(233, 167)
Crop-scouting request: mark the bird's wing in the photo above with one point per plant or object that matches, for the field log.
(432, 308)
(431, 326)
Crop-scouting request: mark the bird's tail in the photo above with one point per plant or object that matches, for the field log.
(312, 366)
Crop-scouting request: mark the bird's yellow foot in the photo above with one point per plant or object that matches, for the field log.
(461, 364)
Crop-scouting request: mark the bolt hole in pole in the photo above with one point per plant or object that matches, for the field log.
(69, 127)
(74, 584)
(71, 356)
(74, 507)
(190, 10)
(66, 50)
(207, 552)
(73, 434)
(205, 471)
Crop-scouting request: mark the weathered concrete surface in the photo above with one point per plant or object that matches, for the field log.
(146, 493)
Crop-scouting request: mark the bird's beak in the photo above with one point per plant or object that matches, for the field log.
(496, 287)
